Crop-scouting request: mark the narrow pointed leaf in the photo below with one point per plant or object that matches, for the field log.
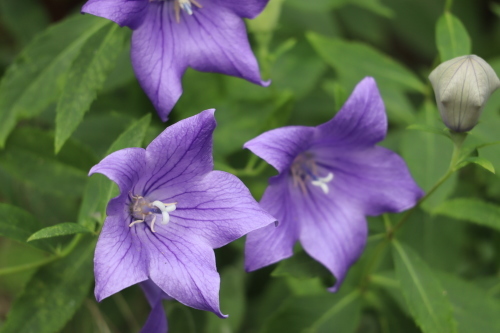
(422, 292)
(53, 294)
(34, 80)
(86, 77)
(99, 189)
(472, 210)
(17, 224)
(353, 61)
(62, 229)
(452, 38)
(474, 310)
(319, 313)
(482, 162)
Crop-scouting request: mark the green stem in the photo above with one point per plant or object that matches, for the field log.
(15, 269)
(349, 298)
(250, 170)
(447, 6)
(25, 267)
(387, 222)
(458, 140)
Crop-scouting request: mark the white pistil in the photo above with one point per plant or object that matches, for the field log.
(322, 182)
(165, 209)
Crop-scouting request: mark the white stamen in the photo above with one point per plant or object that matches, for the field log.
(135, 222)
(322, 182)
(186, 6)
(153, 223)
(165, 209)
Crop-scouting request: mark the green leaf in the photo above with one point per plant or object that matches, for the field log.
(17, 224)
(86, 77)
(482, 162)
(44, 174)
(472, 210)
(318, 313)
(337, 91)
(495, 8)
(428, 156)
(423, 293)
(34, 80)
(62, 229)
(353, 61)
(323, 5)
(301, 266)
(53, 294)
(451, 37)
(474, 310)
(99, 189)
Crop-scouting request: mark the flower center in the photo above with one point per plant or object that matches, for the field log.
(185, 5)
(141, 209)
(304, 169)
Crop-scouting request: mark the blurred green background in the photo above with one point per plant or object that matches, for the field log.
(314, 52)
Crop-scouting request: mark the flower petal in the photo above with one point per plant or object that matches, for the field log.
(362, 121)
(280, 146)
(181, 153)
(183, 268)
(243, 8)
(157, 320)
(125, 167)
(128, 13)
(333, 231)
(120, 258)
(213, 39)
(158, 56)
(376, 178)
(218, 209)
(216, 41)
(273, 243)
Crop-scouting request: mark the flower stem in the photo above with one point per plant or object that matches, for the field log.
(447, 6)
(25, 267)
(458, 140)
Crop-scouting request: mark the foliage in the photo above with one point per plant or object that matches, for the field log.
(68, 97)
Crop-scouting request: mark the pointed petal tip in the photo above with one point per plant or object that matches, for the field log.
(334, 288)
(265, 83)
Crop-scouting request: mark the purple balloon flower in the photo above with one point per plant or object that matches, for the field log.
(172, 211)
(330, 177)
(170, 35)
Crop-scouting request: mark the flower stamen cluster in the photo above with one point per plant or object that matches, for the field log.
(304, 169)
(184, 5)
(141, 208)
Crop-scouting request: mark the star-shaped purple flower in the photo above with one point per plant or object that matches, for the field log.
(170, 35)
(330, 177)
(172, 211)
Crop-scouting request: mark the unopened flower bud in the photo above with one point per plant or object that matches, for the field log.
(462, 86)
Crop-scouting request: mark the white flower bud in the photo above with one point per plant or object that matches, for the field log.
(462, 86)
